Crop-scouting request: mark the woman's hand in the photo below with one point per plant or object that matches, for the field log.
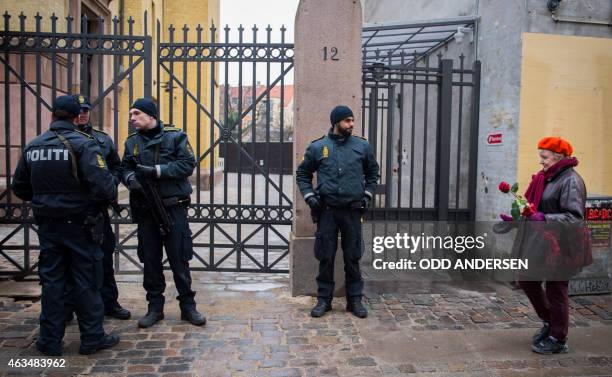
(538, 216)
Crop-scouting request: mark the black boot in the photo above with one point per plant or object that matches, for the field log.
(116, 311)
(150, 319)
(541, 334)
(194, 317)
(355, 306)
(48, 351)
(322, 306)
(107, 341)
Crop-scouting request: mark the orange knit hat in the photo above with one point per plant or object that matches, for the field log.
(557, 145)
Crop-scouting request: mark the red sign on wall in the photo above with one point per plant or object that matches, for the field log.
(494, 139)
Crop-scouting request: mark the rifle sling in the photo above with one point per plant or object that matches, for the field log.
(73, 160)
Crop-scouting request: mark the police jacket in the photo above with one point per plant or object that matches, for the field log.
(346, 169)
(60, 182)
(169, 151)
(108, 149)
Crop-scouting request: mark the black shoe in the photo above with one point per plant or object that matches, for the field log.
(116, 311)
(541, 334)
(48, 351)
(107, 341)
(549, 346)
(68, 316)
(150, 319)
(321, 308)
(355, 306)
(194, 317)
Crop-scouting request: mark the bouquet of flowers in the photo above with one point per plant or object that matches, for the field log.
(521, 208)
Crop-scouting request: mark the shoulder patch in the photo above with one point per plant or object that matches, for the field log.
(132, 134)
(172, 129)
(99, 131)
(319, 138)
(84, 133)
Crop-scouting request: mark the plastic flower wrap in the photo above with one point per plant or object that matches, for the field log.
(521, 208)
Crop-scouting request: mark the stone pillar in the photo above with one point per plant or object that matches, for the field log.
(327, 73)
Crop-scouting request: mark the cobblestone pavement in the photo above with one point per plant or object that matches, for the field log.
(256, 329)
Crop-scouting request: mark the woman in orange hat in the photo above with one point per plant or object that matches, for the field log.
(559, 194)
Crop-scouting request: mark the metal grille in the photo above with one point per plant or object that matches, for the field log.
(421, 118)
(241, 210)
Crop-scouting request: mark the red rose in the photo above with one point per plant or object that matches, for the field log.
(529, 210)
(504, 187)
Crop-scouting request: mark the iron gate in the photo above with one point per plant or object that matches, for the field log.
(421, 118)
(240, 220)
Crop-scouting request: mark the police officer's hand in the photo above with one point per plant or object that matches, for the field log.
(146, 171)
(133, 184)
(365, 202)
(314, 202)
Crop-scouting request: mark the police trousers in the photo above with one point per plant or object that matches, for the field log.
(66, 252)
(348, 222)
(109, 290)
(179, 251)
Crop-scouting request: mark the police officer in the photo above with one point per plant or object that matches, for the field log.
(67, 181)
(347, 173)
(109, 290)
(163, 154)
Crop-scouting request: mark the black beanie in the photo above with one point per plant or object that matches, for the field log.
(146, 105)
(339, 113)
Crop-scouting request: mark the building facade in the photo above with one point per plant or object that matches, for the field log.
(543, 73)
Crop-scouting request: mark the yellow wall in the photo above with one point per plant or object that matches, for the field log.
(135, 9)
(176, 13)
(30, 8)
(566, 91)
(203, 13)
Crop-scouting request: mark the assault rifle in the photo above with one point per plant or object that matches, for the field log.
(154, 200)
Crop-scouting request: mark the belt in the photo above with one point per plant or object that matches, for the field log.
(75, 218)
(174, 201)
(349, 205)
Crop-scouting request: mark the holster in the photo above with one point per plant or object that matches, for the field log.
(94, 224)
(137, 206)
(355, 205)
(315, 213)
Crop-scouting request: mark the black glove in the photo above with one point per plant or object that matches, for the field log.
(365, 202)
(313, 202)
(133, 184)
(146, 171)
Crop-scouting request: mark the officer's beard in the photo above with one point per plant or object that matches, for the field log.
(345, 132)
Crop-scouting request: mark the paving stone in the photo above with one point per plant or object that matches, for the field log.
(362, 361)
(147, 344)
(287, 372)
(140, 368)
(271, 363)
(146, 361)
(173, 368)
(108, 369)
(251, 356)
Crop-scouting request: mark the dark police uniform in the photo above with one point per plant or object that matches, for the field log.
(346, 172)
(168, 149)
(109, 290)
(64, 187)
